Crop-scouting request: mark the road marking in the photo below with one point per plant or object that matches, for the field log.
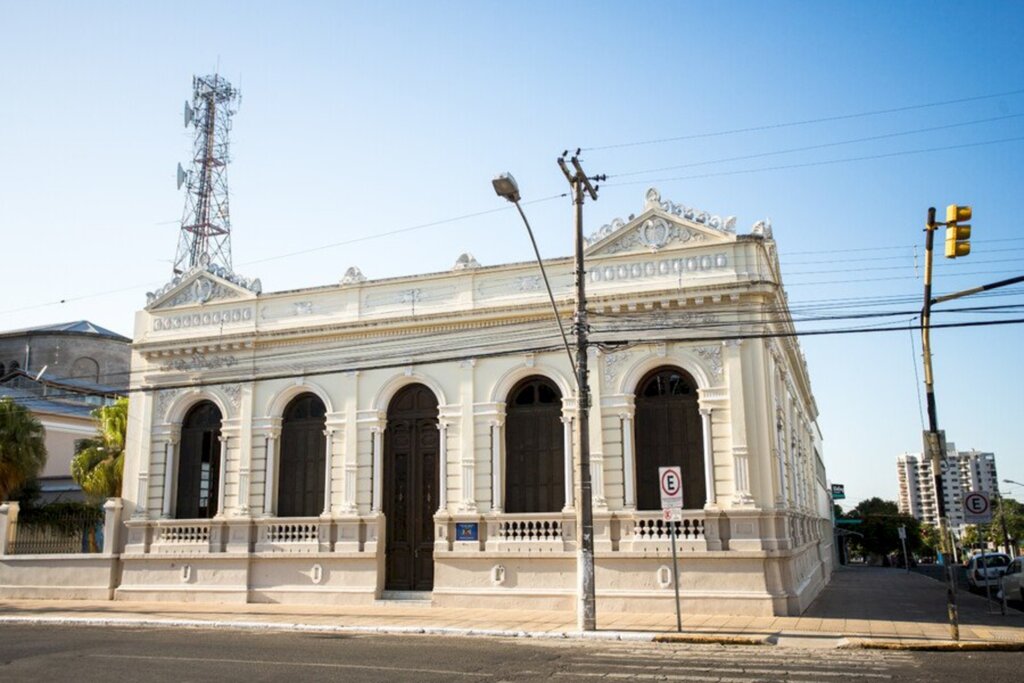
(324, 665)
(788, 671)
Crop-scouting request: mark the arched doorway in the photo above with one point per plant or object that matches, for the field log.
(411, 449)
(300, 491)
(534, 448)
(669, 433)
(199, 463)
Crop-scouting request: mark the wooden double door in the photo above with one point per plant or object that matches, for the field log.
(410, 496)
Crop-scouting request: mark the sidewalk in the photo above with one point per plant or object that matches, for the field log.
(866, 607)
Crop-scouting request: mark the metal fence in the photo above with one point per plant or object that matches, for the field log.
(66, 532)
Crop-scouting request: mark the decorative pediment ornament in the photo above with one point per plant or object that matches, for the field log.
(652, 231)
(201, 284)
(353, 276)
(726, 225)
(465, 262)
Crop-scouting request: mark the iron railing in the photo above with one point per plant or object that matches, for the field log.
(43, 532)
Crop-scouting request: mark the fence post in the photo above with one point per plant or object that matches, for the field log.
(8, 523)
(112, 525)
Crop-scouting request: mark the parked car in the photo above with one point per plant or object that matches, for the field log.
(1012, 582)
(986, 570)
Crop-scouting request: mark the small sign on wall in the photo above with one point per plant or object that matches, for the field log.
(467, 531)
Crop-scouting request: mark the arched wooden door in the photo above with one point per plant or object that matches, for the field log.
(669, 433)
(534, 448)
(303, 450)
(411, 449)
(199, 463)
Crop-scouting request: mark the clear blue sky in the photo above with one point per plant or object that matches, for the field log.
(363, 118)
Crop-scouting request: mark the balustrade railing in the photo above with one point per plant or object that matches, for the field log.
(288, 534)
(538, 531)
(189, 534)
(648, 531)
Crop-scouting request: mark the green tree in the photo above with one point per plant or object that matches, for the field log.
(22, 446)
(930, 538)
(98, 466)
(1011, 512)
(880, 527)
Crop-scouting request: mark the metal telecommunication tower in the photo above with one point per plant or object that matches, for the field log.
(206, 222)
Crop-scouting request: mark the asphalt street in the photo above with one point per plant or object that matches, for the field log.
(83, 654)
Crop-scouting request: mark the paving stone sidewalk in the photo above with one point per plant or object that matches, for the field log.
(861, 606)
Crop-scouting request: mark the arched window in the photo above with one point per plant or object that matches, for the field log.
(86, 368)
(300, 490)
(14, 365)
(3, 370)
(668, 433)
(534, 448)
(199, 462)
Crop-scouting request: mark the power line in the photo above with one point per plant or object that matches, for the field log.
(827, 162)
(824, 145)
(804, 122)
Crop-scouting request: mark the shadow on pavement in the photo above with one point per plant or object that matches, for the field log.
(888, 594)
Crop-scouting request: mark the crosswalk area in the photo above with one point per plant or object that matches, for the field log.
(735, 664)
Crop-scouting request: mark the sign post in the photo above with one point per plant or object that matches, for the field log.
(903, 541)
(670, 484)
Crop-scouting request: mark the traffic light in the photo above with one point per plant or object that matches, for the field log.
(958, 234)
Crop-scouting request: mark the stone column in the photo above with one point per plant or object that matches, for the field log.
(709, 458)
(497, 466)
(468, 502)
(328, 469)
(270, 480)
(170, 466)
(442, 466)
(570, 468)
(741, 475)
(628, 462)
(377, 432)
(223, 474)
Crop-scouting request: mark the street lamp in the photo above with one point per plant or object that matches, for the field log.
(505, 186)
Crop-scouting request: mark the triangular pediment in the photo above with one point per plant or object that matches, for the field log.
(663, 225)
(201, 285)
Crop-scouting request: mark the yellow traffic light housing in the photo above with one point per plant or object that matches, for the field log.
(958, 234)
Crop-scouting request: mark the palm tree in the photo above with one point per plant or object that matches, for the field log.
(22, 446)
(98, 466)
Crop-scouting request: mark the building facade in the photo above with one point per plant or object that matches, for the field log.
(62, 373)
(414, 435)
(962, 472)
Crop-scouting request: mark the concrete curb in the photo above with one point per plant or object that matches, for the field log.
(199, 624)
(780, 639)
(941, 646)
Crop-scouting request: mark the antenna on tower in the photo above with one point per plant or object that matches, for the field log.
(205, 237)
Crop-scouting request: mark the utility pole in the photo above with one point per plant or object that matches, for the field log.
(934, 441)
(586, 608)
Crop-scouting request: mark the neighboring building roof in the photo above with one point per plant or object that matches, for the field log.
(23, 380)
(38, 404)
(75, 327)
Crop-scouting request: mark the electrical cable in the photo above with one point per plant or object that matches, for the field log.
(827, 162)
(804, 122)
(807, 148)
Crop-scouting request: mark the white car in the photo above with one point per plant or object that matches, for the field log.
(1012, 582)
(986, 570)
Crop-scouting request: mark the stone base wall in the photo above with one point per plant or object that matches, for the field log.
(58, 577)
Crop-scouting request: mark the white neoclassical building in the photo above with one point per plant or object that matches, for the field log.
(413, 436)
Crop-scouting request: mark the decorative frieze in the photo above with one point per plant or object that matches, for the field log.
(639, 270)
(199, 361)
(206, 319)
